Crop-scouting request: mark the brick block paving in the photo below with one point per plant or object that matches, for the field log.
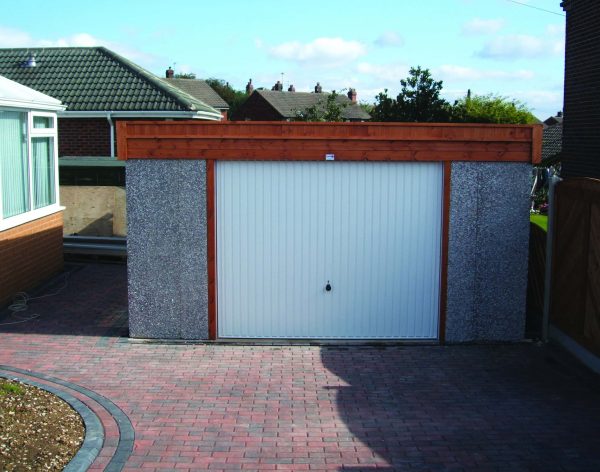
(225, 407)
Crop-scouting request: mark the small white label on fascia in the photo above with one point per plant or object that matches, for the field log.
(330, 157)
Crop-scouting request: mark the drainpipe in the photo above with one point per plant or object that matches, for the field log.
(554, 179)
(112, 134)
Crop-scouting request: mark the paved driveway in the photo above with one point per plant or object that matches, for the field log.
(226, 407)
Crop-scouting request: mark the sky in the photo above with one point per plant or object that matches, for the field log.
(503, 47)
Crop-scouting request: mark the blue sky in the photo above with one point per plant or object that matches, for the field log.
(489, 46)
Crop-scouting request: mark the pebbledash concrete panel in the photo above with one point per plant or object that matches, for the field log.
(487, 251)
(167, 249)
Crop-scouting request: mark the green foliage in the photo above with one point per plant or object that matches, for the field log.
(385, 108)
(366, 107)
(234, 98)
(329, 109)
(419, 100)
(491, 109)
(540, 220)
(11, 388)
(184, 75)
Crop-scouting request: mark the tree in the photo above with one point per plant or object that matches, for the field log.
(329, 109)
(184, 75)
(234, 98)
(491, 109)
(419, 100)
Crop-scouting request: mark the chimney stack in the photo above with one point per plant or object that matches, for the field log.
(559, 114)
(318, 88)
(352, 95)
(169, 73)
(249, 87)
(278, 87)
(291, 88)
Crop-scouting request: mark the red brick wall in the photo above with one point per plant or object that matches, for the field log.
(83, 137)
(30, 254)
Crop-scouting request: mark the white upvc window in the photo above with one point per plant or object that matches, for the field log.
(28, 166)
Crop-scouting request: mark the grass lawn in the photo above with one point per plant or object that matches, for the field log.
(540, 220)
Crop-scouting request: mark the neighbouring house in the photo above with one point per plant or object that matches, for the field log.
(199, 89)
(30, 212)
(574, 308)
(279, 105)
(344, 231)
(551, 158)
(552, 140)
(99, 88)
(554, 120)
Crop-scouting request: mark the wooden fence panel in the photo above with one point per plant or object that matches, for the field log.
(575, 296)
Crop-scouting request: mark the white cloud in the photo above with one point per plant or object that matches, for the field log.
(455, 72)
(521, 46)
(390, 73)
(327, 51)
(12, 38)
(540, 98)
(453, 94)
(556, 30)
(389, 39)
(481, 26)
(544, 103)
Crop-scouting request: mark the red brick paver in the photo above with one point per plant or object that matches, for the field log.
(226, 407)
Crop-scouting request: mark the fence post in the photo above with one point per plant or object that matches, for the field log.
(554, 179)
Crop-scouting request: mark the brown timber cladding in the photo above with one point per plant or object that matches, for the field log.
(311, 141)
(29, 254)
(575, 294)
(581, 140)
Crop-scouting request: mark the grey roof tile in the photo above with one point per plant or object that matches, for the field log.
(96, 79)
(289, 103)
(201, 90)
(551, 141)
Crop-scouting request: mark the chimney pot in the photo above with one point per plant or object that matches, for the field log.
(318, 88)
(169, 73)
(278, 87)
(559, 114)
(291, 88)
(249, 87)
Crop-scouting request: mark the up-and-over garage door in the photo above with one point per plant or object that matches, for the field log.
(328, 249)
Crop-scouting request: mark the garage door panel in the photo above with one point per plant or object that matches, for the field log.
(371, 229)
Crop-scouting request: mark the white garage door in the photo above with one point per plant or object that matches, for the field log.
(288, 231)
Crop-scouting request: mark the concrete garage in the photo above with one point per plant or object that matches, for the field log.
(362, 231)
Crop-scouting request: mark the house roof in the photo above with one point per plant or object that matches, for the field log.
(288, 104)
(97, 79)
(553, 120)
(200, 90)
(552, 143)
(13, 94)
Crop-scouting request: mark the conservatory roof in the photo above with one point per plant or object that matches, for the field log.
(13, 94)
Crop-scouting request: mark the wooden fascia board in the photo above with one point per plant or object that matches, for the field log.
(311, 141)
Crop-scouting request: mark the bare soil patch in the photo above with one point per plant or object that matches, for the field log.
(38, 430)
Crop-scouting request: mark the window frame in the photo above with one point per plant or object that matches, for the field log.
(34, 214)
